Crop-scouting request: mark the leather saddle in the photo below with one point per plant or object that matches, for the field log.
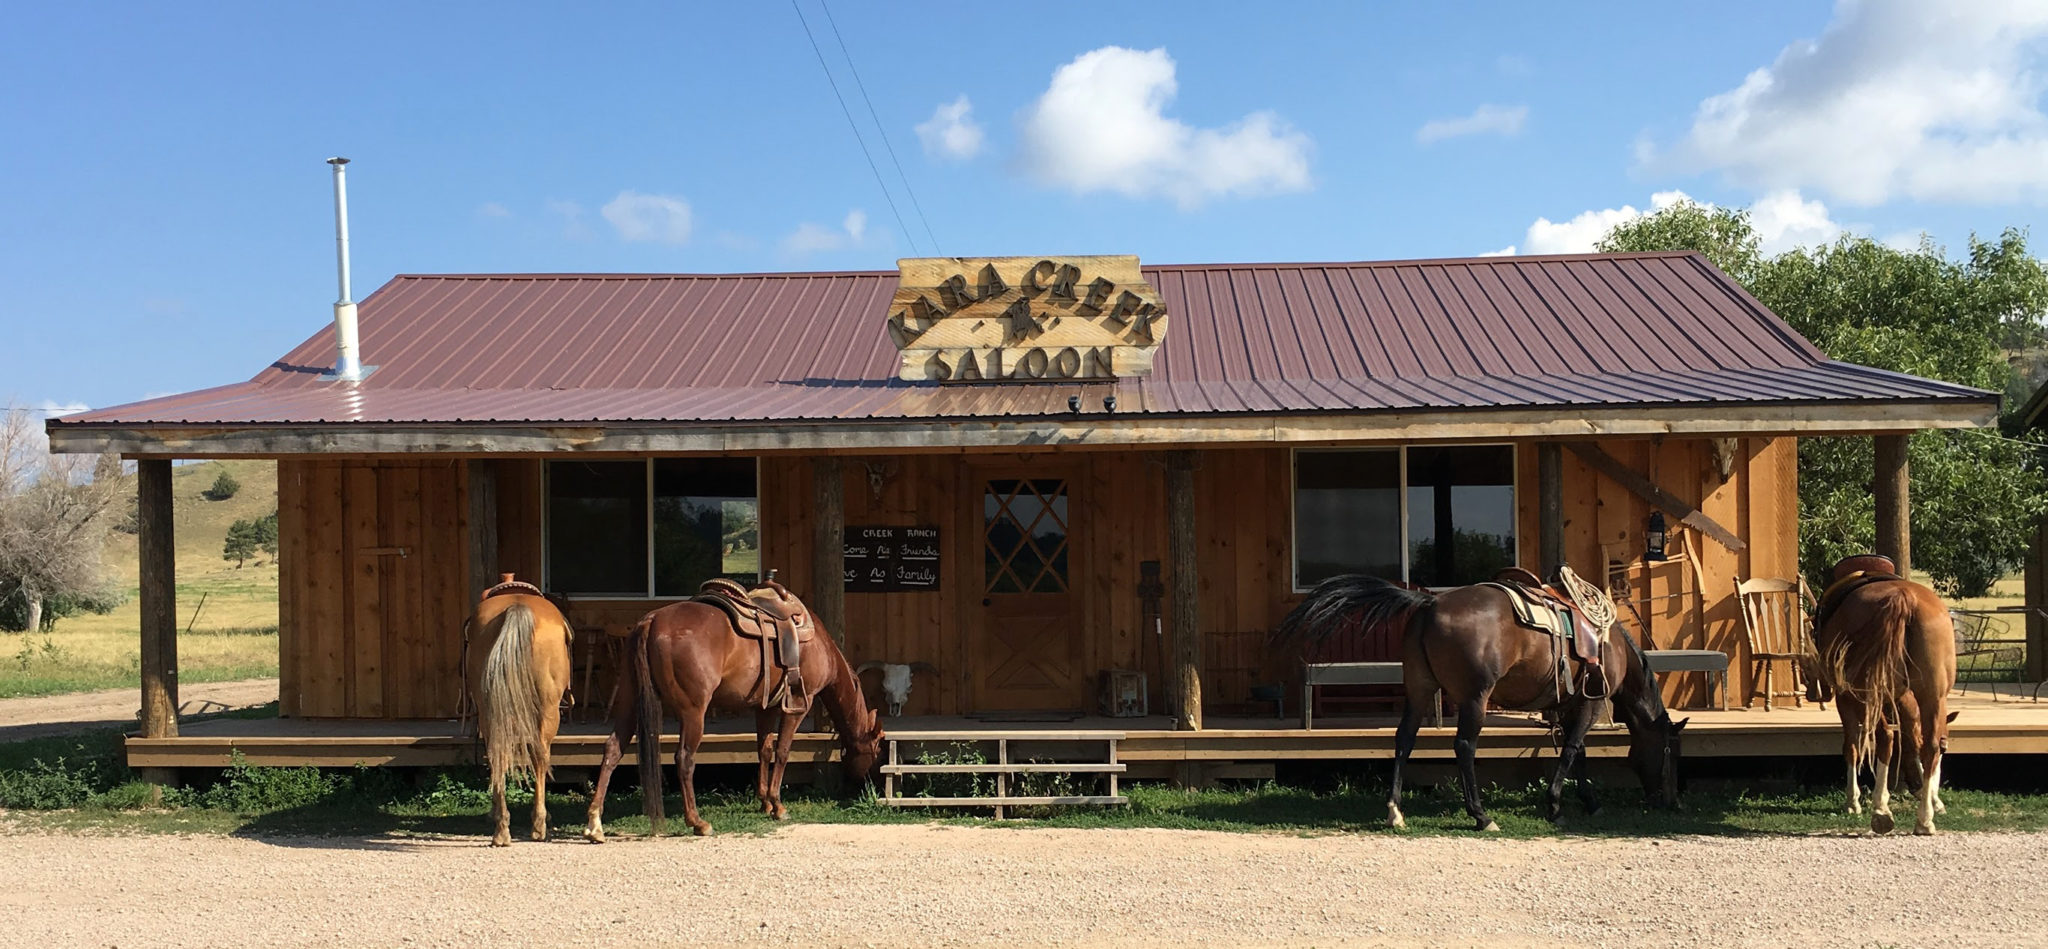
(1549, 609)
(1851, 573)
(781, 623)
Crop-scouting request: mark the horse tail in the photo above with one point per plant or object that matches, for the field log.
(1348, 602)
(508, 698)
(1871, 664)
(647, 708)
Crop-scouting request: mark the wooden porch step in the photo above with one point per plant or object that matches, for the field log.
(1078, 767)
(1105, 799)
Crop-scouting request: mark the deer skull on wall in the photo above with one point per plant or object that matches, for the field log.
(896, 681)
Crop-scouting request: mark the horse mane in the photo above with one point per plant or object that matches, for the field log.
(1650, 694)
(846, 704)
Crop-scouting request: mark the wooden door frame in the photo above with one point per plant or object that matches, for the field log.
(975, 472)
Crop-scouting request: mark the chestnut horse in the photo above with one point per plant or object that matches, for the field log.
(1887, 650)
(1466, 642)
(518, 677)
(687, 658)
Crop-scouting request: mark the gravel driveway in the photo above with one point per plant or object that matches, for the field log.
(895, 886)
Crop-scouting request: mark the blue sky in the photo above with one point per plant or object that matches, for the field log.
(166, 221)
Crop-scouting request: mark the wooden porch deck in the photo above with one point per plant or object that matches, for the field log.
(1994, 720)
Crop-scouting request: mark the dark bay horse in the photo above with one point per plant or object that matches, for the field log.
(686, 658)
(518, 674)
(1466, 642)
(1887, 650)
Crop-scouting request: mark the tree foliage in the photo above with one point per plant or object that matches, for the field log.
(1976, 494)
(248, 536)
(54, 520)
(224, 487)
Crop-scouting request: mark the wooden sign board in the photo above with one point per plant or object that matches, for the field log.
(1025, 319)
(891, 559)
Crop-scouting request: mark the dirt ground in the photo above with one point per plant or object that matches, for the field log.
(37, 716)
(896, 886)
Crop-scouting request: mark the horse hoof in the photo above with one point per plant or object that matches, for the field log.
(594, 836)
(1881, 823)
(505, 841)
(701, 830)
(539, 836)
(1923, 830)
(1491, 827)
(1395, 818)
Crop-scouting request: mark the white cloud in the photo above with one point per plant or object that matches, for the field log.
(493, 209)
(809, 238)
(1508, 251)
(1100, 126)
(53, 409)
(951, 132)
(1485, 120)
(649, 217)
(1783, 220)
(1897, 98)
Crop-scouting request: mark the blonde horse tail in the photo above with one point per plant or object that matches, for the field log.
(508, 700)
(647, 707)
(1872, 665)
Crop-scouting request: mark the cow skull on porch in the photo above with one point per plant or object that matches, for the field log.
(896, 679)
(879, 473)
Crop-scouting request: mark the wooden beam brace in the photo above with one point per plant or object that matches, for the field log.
(1664, 500)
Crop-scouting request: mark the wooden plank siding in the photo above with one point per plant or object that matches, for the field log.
(367, 635)
(375, 553)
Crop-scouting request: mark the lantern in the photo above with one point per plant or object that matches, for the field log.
(1654, 537)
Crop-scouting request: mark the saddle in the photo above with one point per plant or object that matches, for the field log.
(1851, 573)
(1570, 610)
(781, 623)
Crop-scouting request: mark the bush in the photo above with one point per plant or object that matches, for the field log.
(224, 487)
(44, 786)
(246, 789)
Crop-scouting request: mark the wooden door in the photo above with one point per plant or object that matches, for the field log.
(1026, 644)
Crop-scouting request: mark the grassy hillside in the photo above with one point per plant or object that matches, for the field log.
(234, 632)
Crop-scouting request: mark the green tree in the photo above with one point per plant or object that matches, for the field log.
(224, 487)
(1976, 494)
(242, 542)
(265, 529)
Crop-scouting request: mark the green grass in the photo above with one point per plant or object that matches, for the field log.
(78, 783)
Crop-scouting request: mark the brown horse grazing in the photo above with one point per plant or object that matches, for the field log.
(1887, 650)
(518, 675)
(1467, 642)
(687, 658)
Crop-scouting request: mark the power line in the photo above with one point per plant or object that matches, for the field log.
(884, 185)
(879, 127)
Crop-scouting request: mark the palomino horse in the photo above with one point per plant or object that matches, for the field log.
(1886, 648)
(1466, 641)
(687, 658)
(518, 677)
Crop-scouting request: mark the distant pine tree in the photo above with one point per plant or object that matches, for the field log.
(242, 543)
(224, 487)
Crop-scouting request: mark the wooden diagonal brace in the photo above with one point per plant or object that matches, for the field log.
(1664, 500)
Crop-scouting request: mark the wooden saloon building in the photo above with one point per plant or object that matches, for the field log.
(1029, 473)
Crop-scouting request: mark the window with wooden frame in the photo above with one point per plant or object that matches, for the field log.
(1440, 516)
(652, 528)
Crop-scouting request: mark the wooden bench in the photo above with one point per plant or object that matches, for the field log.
(1712, 662)
(1353, 673)
(1003, 768)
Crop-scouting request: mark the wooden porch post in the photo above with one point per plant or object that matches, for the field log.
(2037, 599)
(827, 595)
(1186, 678)
(483, 527)
(159, 598)
(1894, 502)
(1549, 508)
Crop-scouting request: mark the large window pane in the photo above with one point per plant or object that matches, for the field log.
(1347, 514)
(597, 527)
(1465, 494)
(706, 523)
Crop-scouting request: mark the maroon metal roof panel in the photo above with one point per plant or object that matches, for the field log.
(1583, 330)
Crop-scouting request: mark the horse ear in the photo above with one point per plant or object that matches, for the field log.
(1679, 726)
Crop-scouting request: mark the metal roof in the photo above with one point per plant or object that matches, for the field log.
(1609, 330)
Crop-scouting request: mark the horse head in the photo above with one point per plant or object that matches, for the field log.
(1654, 751)
(862, 754)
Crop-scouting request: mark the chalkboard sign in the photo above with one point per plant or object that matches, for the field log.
(891, 559)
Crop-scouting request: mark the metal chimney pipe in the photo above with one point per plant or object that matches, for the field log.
(348, 366)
